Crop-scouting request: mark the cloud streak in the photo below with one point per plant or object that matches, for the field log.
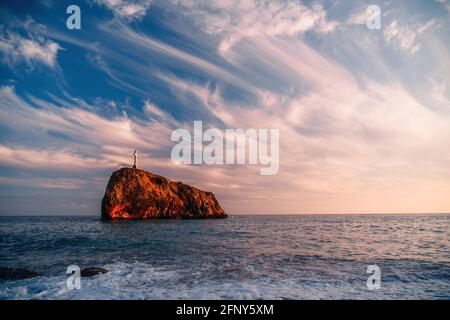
(32, 51)
(127, 10)
(237, 20)
(61, 184)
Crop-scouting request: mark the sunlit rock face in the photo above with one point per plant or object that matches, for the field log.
(138, 194)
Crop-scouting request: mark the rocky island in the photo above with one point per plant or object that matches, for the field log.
(137, 194)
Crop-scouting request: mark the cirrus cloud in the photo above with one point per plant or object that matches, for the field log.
(236, 20)
(128, 10)
(33, 51)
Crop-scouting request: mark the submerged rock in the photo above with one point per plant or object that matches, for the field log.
(92, 271)
(16, 274)
(138, 194)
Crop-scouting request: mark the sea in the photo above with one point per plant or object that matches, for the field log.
(242, 257)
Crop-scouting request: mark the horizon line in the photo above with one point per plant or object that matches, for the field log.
(243, 214)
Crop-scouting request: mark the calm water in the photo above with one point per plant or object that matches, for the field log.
(243, 257)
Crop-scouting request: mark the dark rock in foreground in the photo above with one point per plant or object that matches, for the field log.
(16, 274)
(92, 271)
(137, 194)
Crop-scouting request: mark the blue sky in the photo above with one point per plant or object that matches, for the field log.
(364, 115)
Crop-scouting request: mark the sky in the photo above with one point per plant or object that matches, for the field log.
(363, 115)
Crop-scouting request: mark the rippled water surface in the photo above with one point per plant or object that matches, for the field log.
(243, 257)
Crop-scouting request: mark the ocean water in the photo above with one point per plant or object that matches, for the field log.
(243, 257)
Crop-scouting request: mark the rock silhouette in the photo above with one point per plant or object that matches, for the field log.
(138, 194)
(92, 271)
(16, 273)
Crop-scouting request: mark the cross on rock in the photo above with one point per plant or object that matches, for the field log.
(135, 158)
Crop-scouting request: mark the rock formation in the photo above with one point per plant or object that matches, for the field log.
(92, 271)
(137, 194)
(16, 274)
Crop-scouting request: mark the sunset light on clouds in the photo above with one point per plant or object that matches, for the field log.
(364, 115)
